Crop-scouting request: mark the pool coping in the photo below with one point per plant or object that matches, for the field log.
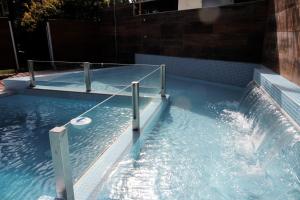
(285, 93)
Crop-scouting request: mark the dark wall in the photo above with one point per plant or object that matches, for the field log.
(76, 40)
(155, 6)
(282, 39)
(7, 59)
(236, 34)
(233, 33)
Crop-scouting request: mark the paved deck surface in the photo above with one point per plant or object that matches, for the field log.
(21, 74)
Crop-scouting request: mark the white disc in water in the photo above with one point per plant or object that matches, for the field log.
(80, 122)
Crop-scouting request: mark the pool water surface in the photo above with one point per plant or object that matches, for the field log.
(212, 142)
(25, 120)
(207, 145)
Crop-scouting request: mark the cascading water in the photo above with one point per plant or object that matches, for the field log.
(271, 130)
(268, 142)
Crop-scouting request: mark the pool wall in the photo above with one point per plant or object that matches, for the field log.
(285, 93)
(225, 72)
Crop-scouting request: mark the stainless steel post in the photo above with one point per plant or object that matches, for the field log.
(61, 163)
(50, 47)
(163, 80)
(87, 76)
(135, 106)
(31, 73)
(14, 45)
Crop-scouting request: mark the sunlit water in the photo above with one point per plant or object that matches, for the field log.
(26, 166)
(212, 143)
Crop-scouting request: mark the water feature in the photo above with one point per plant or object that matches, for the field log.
(213, 142)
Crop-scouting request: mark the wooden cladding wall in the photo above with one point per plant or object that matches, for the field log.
(7, 59)
(75, 40)
(233, 33)
(282, 40)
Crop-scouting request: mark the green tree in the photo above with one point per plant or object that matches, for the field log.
(39, 11)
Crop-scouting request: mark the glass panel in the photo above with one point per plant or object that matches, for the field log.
(150, 84)
(59, 75)
(111, 77)
(150, 87)
(107, 78)
(94, 131)
(91, 133)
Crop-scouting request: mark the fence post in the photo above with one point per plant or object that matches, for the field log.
(14, 45)
(50, 47)
(163, 80)
(31, 73)
(61, 163)
(135, 106)
(87, 76)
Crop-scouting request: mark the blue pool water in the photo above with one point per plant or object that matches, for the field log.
(213, 142)
(26, 165)
(210, 144)
(109, 121)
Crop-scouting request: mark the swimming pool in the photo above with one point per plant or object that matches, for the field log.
(209, 145)
(26, 170)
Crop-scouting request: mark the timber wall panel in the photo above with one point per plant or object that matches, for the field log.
(7, 59)
(282, 39)
(237, 34)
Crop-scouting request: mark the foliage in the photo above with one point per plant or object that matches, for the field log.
(38, 11)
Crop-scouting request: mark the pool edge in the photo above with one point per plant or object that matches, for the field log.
(285, 93)
(87, 185)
